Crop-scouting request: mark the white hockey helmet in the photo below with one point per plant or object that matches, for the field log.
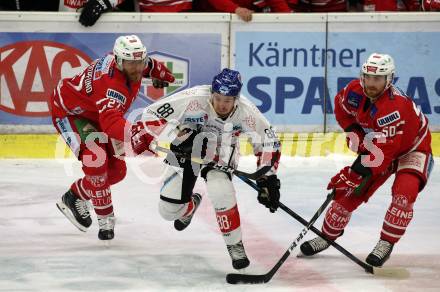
(379, 65)
(129, 47)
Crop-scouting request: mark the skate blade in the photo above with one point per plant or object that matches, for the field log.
(106, 243)
(65, 210)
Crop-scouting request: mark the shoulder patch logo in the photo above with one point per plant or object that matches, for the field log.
(354, 99)
(388, 119)
(113, 94)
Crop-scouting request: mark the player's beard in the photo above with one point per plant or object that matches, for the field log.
(134, 77)
(372, 92)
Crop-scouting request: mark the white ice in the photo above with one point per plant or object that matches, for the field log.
(40, 250)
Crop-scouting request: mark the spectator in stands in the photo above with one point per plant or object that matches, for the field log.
(243, 8)
(390, 5)
(319, 5)
(29, 5)
(431, 5)
(93, 9)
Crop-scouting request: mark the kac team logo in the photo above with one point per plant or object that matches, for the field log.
(30, 70)
(178, 66)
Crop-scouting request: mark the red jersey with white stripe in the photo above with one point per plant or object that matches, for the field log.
(100, 93)
(165, 5)
(394, 114)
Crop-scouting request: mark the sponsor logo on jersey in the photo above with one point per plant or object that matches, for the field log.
(354, 99)
(388, 119)
(250, 122)
(88, 80)
(74, 3)
(236, 128)
(178, 65)
(30, 71)
(196, 120)
(113, 94)
(102, 67)
(78, 110)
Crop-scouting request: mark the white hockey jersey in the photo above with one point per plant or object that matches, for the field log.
(192, 109)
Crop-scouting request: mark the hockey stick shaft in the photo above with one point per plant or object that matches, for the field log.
(256, 279)
(394, 272)
(365, 266)
(263, 170)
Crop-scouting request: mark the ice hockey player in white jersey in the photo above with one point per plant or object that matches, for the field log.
(207, 121)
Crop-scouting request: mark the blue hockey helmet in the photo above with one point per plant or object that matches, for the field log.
(228, 82)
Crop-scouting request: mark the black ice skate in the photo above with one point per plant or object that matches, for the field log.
(314, 246)
(380, 254)
(183, 222)
(238, 256)
(76, 210)
(106, 227)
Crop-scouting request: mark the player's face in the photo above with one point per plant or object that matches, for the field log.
(374, 85)
(223, 104)
(133, 69)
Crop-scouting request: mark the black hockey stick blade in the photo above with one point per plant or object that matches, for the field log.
(235, 278)
(247, 279)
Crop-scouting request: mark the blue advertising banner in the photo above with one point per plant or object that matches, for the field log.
(285, 72)
(31, 64)
(415, 56)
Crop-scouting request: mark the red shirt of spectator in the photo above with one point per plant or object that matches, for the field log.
(165, 5)
(318, 5)
(231, 5)
(391, 5)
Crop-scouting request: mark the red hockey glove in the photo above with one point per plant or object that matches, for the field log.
(159, 73)
(345, 182)
(140, 139)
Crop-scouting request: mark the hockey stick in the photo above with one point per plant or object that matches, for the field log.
(394, 272)
(264, 278)
(231, 170)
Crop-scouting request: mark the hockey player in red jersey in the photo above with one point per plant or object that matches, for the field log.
(391, 135)
(87, 110)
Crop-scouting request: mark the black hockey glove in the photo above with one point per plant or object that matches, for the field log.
(92, 10)
(182, 145)
(269, 195)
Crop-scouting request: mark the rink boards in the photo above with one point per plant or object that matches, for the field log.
(52, 146)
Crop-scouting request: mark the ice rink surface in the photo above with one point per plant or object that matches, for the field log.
(40, 250)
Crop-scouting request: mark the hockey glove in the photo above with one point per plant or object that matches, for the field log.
(355, 138)
(140, 139)
(269, 195)
(159, 74)
(345, 182)
(92, 10)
